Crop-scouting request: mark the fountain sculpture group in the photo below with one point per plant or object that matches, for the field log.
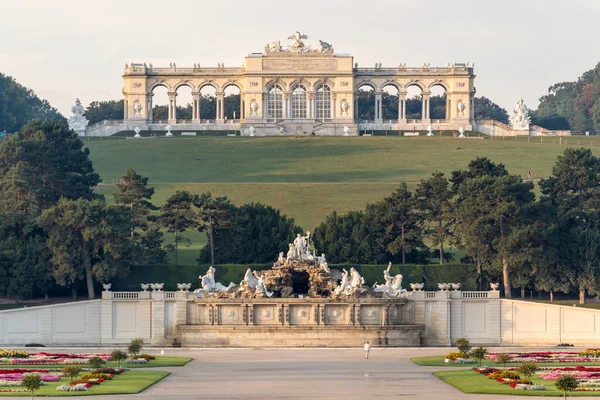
(300, 301)
(284, 280)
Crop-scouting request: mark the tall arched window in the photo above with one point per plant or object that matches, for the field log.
(323, 102)
(275, 102)
(299, 102)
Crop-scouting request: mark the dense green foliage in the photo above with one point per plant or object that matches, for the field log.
(19, 105)
(255, 233)
(487, 109)
(98, 111)
(578, 102)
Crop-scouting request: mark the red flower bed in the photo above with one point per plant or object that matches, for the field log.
(22, 371)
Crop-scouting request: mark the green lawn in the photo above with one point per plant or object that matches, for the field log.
(307, 178)
(468, 381)
(161, 361)
(438, 361)
(130, 382)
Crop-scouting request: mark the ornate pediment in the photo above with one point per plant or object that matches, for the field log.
(298, 47)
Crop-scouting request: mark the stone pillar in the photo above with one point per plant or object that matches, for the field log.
(378, 108)
(357, 314)
(425, 110)
(158, 318)
(196, 107)
(220, 110)
(471, 110)
(284, 112)
(149, 107)
(448, 107)
(250, 314)
(311, 105)
(402, 107)
(172, 108)
(125, 109)
(181, 308)
(242, 115)
(106, 318)
(333, 107)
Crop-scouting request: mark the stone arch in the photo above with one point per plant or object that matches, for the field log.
(390, 100)
(154, 85)
(232, 100)
(363, 83)
(439, 102)
(276, 81)
(212, 83)
(364, 101)
(184, 83)
(415, 91)
(387, 83)
(439, 82)
(417, 83)
(232, 83)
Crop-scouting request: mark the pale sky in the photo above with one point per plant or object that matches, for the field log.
(63, 49)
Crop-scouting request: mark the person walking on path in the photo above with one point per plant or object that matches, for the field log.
(367, 348)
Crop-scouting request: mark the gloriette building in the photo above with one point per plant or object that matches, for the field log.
(300, 89)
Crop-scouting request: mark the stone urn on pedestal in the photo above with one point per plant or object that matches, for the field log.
(169, 134)
(137, 132)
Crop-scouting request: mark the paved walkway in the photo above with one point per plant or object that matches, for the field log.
(303, 374)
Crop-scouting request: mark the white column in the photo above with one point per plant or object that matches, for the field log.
(378, 108)
(220, 111)
(172, 108)
(196, 107)
(425, 108)
(402, 108)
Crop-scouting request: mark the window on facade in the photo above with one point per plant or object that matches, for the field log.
(275, 102)
(323, 102)
(299, 102)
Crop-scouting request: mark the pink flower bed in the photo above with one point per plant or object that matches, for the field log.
(19, 377)
(546, 357)
(43, 358)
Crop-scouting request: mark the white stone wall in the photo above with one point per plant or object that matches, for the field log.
(65, 324)
(529, 323)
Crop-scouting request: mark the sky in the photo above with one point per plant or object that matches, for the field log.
(64, 49)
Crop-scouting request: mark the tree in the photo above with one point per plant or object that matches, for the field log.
(48, 161)
(567, 383)
(19, 105)
(527, 369)
(463, 345)
(135, 196)
(487, 109)
(135, 347)
(71, 371)
(479, 354)
(98, 111)
(254, 233)
(213, 212)
(231, 106)
(571, 192)
(497, 205)
(118, 356)
(434, 198)
(402, 223)
(177, 216)
(503, 358)
(96, 362)
(87, 240)
(32, 382)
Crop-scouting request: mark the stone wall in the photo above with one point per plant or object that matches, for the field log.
(426, 318)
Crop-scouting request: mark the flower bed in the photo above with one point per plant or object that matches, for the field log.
(20, 357)
(509, 377)
(590, 355)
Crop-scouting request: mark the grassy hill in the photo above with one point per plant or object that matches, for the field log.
(307, 178)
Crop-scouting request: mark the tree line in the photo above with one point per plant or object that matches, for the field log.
(551, 244)
(55, 230)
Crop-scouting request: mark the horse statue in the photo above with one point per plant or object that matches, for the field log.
(249, 280)
(324, 47)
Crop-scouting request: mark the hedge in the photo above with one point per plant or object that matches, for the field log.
(171, 275)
